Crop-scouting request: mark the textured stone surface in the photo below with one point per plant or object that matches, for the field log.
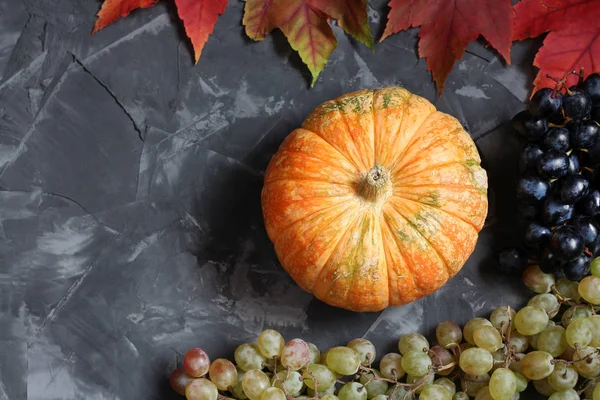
(130, 221)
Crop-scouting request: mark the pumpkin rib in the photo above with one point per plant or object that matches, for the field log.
(395, 174)
(347, 124)
(313, 157)
(345, 157)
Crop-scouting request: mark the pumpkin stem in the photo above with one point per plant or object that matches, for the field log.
(376, 185)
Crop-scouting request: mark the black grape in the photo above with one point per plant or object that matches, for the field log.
(512, 260)
(587, 227)
(555, 212)
(532, 189)
(583, 135)
(590, 204)
(529, 158)
(557, 139)
(573, 188)
(595, 115)
(577, 104)
(529, 127)
(549, 262)
(566, 242)
(573, 167)
(536, 234)
(545, 102)
(553, 164)
(577, 269)
(591, 86)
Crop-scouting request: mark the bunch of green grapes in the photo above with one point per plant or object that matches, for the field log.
(553, 343)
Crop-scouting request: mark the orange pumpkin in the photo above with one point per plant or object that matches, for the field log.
(377, 200)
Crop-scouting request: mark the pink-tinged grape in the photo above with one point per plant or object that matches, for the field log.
(502, 317)
(352, 391)
(315, 354)
(543, 387)
(237, 390)
(537, 365)
(518, 342)
(324, 377)
(568, 289)
(595, 320)
(447, 383)
(580, 332)
(295, 354)
(476, 361)
(416, 363)
(343, 360)
(272, 393)
(435, 392)
(589, 289)
(547, 301)
(365, 350)
(329, 397)
(563, 377)
(536, 280)
(179, 380)
(448, 332)
(399, 393)
(440, 359)
(503, 384)
(412, 341)
(270, 343)
(470, 328)
(223, 374)
(201, 389)
(423, 382)
(460, 396)
(487, 337)
(587, 360)
(391, 366)
(575, 312)
(521, 381)
(290, 381)
(471, 384)
(553, 340)
(531, 320)
(373, 384)
(247, 357)
(196, 362)
(595, 267)
(254, 382)
(568, 394)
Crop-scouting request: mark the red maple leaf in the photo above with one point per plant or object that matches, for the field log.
(573, 41)
(199, 16)
(448, 26)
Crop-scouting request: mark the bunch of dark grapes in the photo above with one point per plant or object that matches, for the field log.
(559, 190)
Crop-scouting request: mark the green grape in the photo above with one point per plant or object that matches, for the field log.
(295, 354)
(589, 289)
(470, 328)
(543, 387)
(237, 390)
(374, 387)
(537, 365)
(521, 381)
(254, 382)
(272, 393)
(315, 354)
(563, 377)
(568, 289)
(503, 384)
(343, 360)
(324, 377)
(499, 359)
(579, 332)
(487, 337)
(547, 301)
(311, 392)
(365, 350)
(398, 392)
(448, 332)
(515, 365)
(378, 397)
(595, 268)
(447, 383)
(460, 396)
(391, 366)
(476, 361)
(553, 340)
(471, 384)
(247, 357)
(223, 374)
(416, 363)
(518, 342)
(352, 391)
(435, 392)
(587, 360)
(484, 394)
(536, 280)
(332, 397)
(567, 394)
(270, 343)
(596, 392)
(412, 341)
(531, 320)
(575, 312)
(501, 318)
(595, 320)
(201, 389)
(289, 381)
(422, 381)
(441, 358)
